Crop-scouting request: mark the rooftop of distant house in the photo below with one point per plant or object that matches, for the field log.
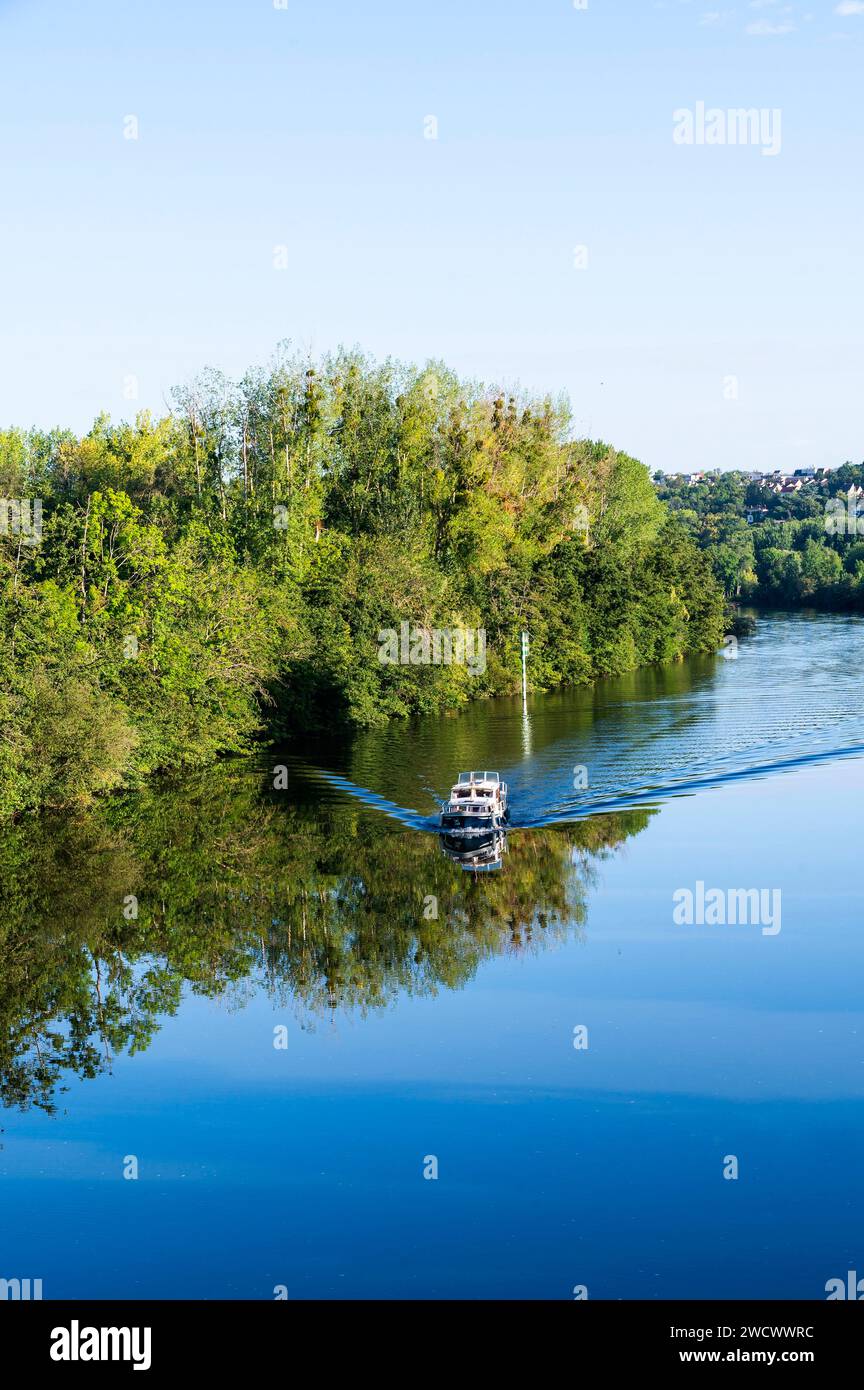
(775, 481)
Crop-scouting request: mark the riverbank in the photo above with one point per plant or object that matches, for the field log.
(248, 566)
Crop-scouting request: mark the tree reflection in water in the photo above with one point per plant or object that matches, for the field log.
(217, 887)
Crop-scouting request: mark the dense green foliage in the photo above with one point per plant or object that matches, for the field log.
(781, 549)
(226, 571)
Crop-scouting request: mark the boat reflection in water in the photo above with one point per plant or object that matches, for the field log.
(479, 853)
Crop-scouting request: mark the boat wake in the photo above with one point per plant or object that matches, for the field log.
(790, 700)
(596, 802)
(414, 820)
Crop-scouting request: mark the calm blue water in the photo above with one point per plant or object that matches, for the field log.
(410, 1037)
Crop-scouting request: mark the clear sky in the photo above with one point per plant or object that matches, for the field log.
(305, 128)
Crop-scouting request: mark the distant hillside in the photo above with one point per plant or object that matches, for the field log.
(781, 539)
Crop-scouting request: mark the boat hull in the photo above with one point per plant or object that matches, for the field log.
(477, 805)
(455, 824)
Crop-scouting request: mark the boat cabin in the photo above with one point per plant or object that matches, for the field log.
(477, 799)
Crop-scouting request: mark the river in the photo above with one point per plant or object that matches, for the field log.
(295, 1049)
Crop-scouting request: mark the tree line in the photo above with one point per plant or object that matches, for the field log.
(222, 574)
(787, 550)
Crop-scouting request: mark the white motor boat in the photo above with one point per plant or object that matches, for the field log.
(477, 804)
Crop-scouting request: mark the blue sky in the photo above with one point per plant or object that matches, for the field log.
(305, 128)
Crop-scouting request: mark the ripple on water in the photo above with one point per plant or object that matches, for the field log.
(791, 697)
